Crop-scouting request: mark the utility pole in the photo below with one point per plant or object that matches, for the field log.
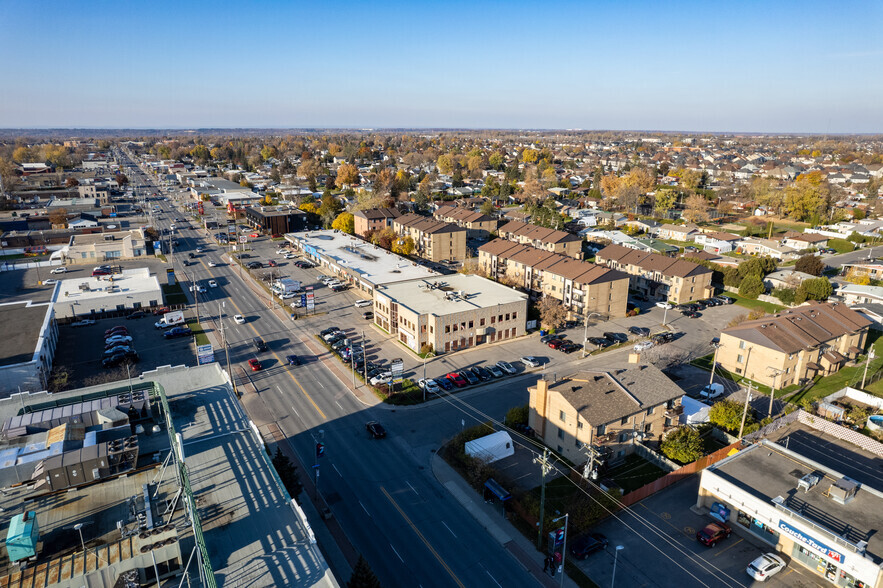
(226, 348)
(714, 362)
(776, 373)
(745, 410)
(870, 357)
(566, 518)
(545, 467)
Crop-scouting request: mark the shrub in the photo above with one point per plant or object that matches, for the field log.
(727, 414)
(517, 415)
(785, 295)
(751, 286)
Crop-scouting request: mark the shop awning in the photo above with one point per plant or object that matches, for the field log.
(497, 490)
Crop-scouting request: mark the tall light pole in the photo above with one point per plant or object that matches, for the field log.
(776, 373)
(871, 356)
(429, 354)
(713, 362)
(566, 517)
(615, 557)
(665, 313)
(586, 330)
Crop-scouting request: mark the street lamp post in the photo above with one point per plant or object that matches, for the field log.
(586, 330)
(776, 373)
(566, 517)
(665, 313)
(615, 557)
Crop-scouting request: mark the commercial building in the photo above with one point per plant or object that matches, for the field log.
(584, 288)
(450, 312)
(609, 410)
(90, 296)
(354, 261)
(477, 225)
(374, 219)
(27, 348)
(818, 518)
(276, 220)
(102, 247)
(795, 344)
(542, 238)
(134, 512)
(434, 240)
(659, 277)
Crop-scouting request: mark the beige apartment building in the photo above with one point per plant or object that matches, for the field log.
(477, 225)
(435, 240)
(102, 247)
(584, 288)
(450, 313)
(542, 238)
(373, 219)
(609, 409)
(659, 277)
(794, 345)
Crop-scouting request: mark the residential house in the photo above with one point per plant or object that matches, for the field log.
(583, 288)
(373, 219)
(477, 225)
(717, 241)
(657, 276)
(677, 232)
(873, 271)
(102, 247)
(787, 278)
(434, 240)
(802, 241)
(856, 294)
(794, 345)
(543, 238)
(769, 247)
(610, 409)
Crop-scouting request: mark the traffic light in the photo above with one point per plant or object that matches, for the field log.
(320, 449)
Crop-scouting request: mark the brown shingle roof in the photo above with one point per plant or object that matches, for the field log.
(666, 266)
(581, 272)
(538, 233)
(426, 225)
(378, 213)
(461, 215)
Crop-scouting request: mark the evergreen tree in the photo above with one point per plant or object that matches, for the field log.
(363, 576)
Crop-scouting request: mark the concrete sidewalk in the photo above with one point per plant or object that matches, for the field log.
(489, 517)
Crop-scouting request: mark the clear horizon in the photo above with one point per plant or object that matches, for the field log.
(751, 68)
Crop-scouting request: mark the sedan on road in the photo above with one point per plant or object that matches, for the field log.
(506, 367)
(362, 303)
(238, 319)
(255, 365)
(531, 361)
(212, 264)
(375, 429)
(292, 359)
(212, 284)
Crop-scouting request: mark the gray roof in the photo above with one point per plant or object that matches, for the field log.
(608, 395)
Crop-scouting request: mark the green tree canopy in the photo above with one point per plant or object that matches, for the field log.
(727, 414)
(363, 576)
(683, 445)
(751, 286)
(810, 264)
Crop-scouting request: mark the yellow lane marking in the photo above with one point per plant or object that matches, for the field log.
(422, 538)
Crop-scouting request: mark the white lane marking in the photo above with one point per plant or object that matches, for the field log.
(295, 411)
(400, 557)
(449, 529)
(338, 405)
(365, 509)
(338, 472)
(492, 578)
(412, 488)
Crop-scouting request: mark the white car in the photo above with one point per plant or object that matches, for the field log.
(665, 305)
(287, 295)
(199, 249)
(118, 339)
(711, 391)
(765, 566)
(382, 378)
(49, 282)
(212, 264)
(212, 284)
(296, 304)
(531, 361)
(59, 270)
(289, 256)
(83, 323)
(238, 319)
(506, 367)
(197, 288)
(429, 385)
(643, 345)
(281, 252)
(362, 303)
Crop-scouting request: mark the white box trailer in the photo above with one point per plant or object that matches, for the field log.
(491, 447)
(170, 319)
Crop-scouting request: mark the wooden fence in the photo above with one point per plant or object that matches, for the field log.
(678, 475)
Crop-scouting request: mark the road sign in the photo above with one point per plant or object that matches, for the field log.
(311, 301)
(205, 354)
(397, 368)
(320, 449)
(243, 238)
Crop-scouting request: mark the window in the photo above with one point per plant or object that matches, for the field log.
(481, 322)
(602, 429)
(561, 433)
(579, 425)
(471, 324)
(741, 344)
(447, 328)
(739, 358)
(493, 320)
(648, 428)
(500, 318)
(562, 416)
(651, 410)
(514, 316)
(507, 316)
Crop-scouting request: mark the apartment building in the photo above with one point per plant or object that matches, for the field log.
(477, 225)
(450, 313)
(434, 240)
(659, 277)
(542, 238)
(373, 219)
(609, 409)
(795, 344)
(584, 288)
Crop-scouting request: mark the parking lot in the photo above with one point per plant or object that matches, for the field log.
(658, 539)
(81, 349)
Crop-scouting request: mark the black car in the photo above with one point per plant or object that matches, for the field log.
(691, 314)
(639, 331)
(176, 332)
(137, 315)
(254, 265)
(600, 341)
(586, 545)
(469, 377)
(292, 359)
(259, 344)
(570, 347)
(481, 373)
(375, 429)
(328, 331)
(338, 288)
(617, 337)
(700, 305)
(118, 358)
(191, 255)
(661, 338)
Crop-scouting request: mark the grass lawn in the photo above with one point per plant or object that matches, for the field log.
(848, 376)
(841, 245)
(634, 473)
(201, 337)
(754, 304)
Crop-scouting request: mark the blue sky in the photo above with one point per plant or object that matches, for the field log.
(697, 66)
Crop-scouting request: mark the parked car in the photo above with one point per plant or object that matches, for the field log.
(531, 361)
(711, 391)
(469, 377)
(429, 385)
(118, 358)
(362, 303)
(176, 332)
(59, 270)
(271, 263)
(663, 304)
(768, 564)
(548, 338)
(726, 299)
(506, 367)
(292, 359)
(338, 288)
(481, 373)
(238, 319)
(136, 315)
(117, 330)
(713, 533)
(255, 365)
(116, 340)
(328, 331)
(495, 371)
(375, 429)
(368, 315)
(662, 338)
(639, 331)
(381, 378)
(583, 547)
(691, 314)
(600, 342)
(118, 348)
(616, 337)
(570, 347)
(83, 323)
(457, 380)
(642, 346)
(555, 343)
(444, 384)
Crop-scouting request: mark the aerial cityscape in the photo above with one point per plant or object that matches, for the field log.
(464, 294)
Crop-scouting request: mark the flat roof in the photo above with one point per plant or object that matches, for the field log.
(100, 238)
(22, 325)
(767, 470)
(440, 295)
(268, 211)
(131, 280)
(359, 258)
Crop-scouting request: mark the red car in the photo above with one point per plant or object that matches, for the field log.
(255, 365)
(116, 331)
(713, 533)
(556, 343)
(254, 235)
(162, 310)
(271, 263)
(456, 379)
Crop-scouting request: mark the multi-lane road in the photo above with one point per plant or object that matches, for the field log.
(381, 491)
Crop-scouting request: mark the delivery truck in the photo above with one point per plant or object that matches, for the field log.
(170, 319)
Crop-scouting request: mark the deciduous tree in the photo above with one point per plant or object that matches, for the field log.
(347, 175)
(751, 286)
(727, 414)
(403, 246)
(696, 209)
(552, 312)
(345, 223)
(665, 201)
(682, 445)
(810, 264)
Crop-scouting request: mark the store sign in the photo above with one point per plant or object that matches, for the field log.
(720, 512)
(799, 535)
